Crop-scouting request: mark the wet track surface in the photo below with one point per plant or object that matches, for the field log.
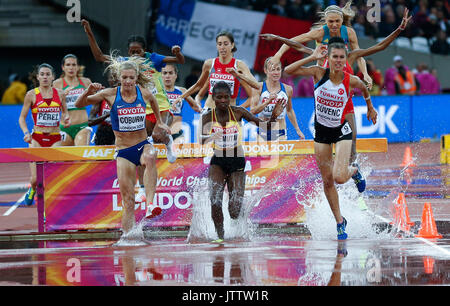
(268, 260)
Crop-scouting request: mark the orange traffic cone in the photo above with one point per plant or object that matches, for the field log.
(402, 203)
(428, 264)
(428, 227)
(401, 214)
(407, 158)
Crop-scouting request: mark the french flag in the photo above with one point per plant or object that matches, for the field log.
(194, 25)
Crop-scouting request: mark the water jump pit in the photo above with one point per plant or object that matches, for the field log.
(285, 235)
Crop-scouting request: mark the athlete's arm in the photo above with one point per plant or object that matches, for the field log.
(178, 58)
(353, 41)
(354, 54)
(28, 102)
(205, 129)
(297, 68)
(195, 106)
(95, 49)
(93, 119)
(199, 96)
(200, 82)
(65, 111)
(256, 108)
(314, 35)
(289, 42)
(290, 112)
(355, 82)
(93, 95)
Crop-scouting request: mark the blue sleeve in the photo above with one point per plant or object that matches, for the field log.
(158, 61)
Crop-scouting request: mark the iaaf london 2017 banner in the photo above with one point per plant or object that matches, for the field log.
(194, 25)
(85, 195)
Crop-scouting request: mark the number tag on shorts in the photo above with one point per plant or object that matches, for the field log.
(346, 129)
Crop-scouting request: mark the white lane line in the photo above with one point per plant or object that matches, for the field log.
(13, 208)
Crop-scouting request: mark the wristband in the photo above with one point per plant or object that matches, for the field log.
(367, 99)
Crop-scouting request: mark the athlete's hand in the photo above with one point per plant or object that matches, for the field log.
(66, 121)
(160, 132)
(176, 50)
(27, 138)
(372, 115)
(278, 109)
(268, 36)
(94, 87)
(320, 52)
(273, 62)
(86, 26)
(300, 134)
(368, 81)
(405, 19)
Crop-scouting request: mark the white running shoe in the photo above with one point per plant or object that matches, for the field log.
(140, 196)
(171, 156)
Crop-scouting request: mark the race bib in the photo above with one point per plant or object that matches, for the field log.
(346, 129)
(131, 119)
(72, 97)
(48, 117)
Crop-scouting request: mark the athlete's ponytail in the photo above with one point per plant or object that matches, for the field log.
(136, 63)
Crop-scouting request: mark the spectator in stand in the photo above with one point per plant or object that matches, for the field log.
(15, 93)
(429, 84)
(443, 6)
(443, 22)
(279, 8)
(296, 10)
(440, 46)
(406, 82)
(359, 26)
(389, 75)
(431, 26)
(388, 23)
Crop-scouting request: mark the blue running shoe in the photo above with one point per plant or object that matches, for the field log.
(29, 197)
(342, 235)
(359, 179)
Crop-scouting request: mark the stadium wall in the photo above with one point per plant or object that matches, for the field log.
(400, 119)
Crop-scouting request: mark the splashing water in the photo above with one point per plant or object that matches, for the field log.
(135, 237)
(320, 220)
(202, 227)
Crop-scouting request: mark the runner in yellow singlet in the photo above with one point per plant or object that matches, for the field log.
(222, 126)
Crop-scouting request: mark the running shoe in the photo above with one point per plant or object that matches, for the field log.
(218, 241)
(341, 234)
(152, 211)
(140, 196)
(359, 179)
(29, 197)
(171, 156)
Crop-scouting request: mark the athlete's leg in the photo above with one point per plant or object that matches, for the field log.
(126, 174)
(350, 118)
(82, 138)
(67, 140)
(324, 159)
(150, 177)
(236, 189)
(342, 172)
(217, 185)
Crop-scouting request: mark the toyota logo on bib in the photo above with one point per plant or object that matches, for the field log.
(340, 91)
